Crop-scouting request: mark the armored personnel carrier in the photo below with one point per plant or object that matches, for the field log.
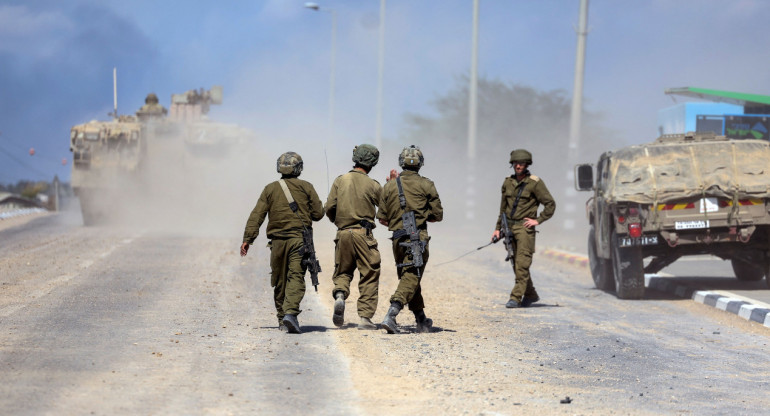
(106, 156)
(681, 195)
(128, 164)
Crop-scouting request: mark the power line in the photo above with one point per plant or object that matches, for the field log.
(22, 163)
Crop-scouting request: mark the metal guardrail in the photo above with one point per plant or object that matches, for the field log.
(20, 212)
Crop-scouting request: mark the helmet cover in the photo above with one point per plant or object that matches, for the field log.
(366, 155)
(411, 157)
(521, 155)
(289, 163)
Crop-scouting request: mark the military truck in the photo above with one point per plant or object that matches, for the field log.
(681, 195)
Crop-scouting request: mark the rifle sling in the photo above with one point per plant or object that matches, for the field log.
(516, 201)
(401, 197)
(292, 203)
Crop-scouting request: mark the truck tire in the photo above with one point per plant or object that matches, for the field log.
(601, 269)
(747, 272)
(628, 267)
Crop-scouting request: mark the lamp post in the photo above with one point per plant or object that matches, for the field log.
(316, 7)
(380, 70)
(472, 115)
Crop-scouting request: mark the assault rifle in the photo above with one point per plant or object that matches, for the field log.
(507, 237)
(414, 246)
(309, 258)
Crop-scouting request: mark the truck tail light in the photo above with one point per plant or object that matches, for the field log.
(621, 219)
(633, 212)
(635, 230)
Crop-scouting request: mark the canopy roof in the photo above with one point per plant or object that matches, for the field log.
(737, 98)
(661, 172)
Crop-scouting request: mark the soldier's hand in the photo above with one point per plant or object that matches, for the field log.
(529, 223)
(393, 175)
(496, 236)
(384, 222)
(244, 249)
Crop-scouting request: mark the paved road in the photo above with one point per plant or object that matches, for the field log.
(98, 321)
(111, 321)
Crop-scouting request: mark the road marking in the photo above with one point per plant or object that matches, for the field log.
(37, 294)
(53, 284)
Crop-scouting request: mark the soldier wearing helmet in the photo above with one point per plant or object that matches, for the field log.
(522, 194)
(151, 108)
(422, 198)
(351, 206)
(284, 230)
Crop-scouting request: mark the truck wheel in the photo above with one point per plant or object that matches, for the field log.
(629, 270)
(747, 272)
(601, 269)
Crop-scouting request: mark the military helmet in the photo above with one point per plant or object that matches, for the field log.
(151, 98)
(411, 157)
(366, 155)
(521, 155)
(289, 163)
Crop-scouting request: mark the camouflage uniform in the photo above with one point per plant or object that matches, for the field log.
(421, 197)
(284, 229)
(351, 206)
(533, 194)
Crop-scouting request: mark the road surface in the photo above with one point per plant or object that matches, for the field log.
(110, 321)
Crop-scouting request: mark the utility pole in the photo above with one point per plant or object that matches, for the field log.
(575, 125)
(380, 72)
(470, 211)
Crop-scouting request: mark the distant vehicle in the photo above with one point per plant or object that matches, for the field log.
(681, 195)
(156, 153)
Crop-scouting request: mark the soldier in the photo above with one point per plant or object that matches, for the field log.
(284, 229)
(151, 108)
(351, 206)
(422, 198)
(522, 193)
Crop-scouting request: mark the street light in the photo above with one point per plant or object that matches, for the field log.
(316, 7)
(380, 70)
(472, 115)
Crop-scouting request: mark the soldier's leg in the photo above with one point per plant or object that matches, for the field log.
(416, 303)
(529, 241)
(344, 263)
(525, 246)
(368, 262)
(407, 277)
(295, 277)
(278, 275)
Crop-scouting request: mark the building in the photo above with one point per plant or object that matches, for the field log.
(732, 114)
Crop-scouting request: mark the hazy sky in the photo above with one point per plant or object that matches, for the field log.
(273, 60)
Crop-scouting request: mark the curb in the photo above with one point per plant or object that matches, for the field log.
(740, 307)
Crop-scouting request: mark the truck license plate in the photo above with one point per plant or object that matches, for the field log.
(644, 240)
(691, 225)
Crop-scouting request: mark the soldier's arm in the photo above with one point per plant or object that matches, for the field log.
(545, 198)
(382, 209)
(315, 206)
(331, 203)
(435, 210)
(256, 218)
(502, 207)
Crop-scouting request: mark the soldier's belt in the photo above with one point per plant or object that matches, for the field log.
(356, 230)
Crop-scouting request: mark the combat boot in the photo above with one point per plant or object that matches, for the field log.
(389, 323)
(527, 301)
(339, 309)
(292, 325)
(424, 324)
(366, 323)
(512, 304)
